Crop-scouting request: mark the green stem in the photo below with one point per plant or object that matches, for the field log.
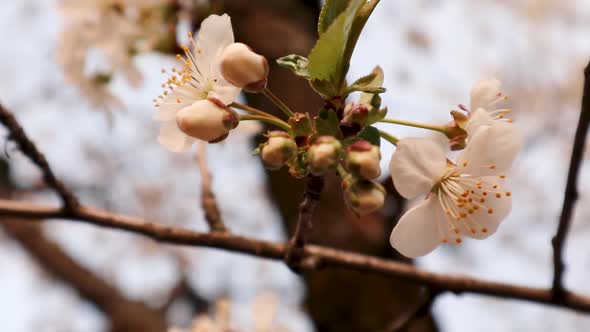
(440, 129)
(390, 138)
(268, 94)
(274, 121)
(341, 171)
(251, 110)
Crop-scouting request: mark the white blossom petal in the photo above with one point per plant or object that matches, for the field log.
(417, 232)
(485, 92)
(416, 165)
(173, 139)
(491, 150)
(215, 34)
(224, 91)
(479, 118)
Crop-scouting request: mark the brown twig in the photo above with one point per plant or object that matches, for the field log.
(265, 249)
(295, 253)
(208, 201)
(18, 135)
(571, 193)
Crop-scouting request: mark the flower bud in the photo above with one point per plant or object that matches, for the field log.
(363, 196)
(355, 114)
(323, 154)
(279, 149)
(244, 68)
(362, 160)
(208, 120)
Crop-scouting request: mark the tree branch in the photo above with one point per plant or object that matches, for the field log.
(18, 135)
(571, 193)
(295, 253)
(208, 201)
(271, 250)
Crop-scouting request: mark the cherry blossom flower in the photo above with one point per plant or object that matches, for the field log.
(486, 97)
(112, 32)
(199, 80)
(466, 198)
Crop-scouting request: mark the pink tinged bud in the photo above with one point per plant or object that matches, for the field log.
(362, 160)
(323, 155)
(363, 196)
(278, 150)
(355, 114)
(244, 68)
(208, 120)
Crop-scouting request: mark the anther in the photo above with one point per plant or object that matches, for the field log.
(490, 210)
(498, 195)
(508, 194)
(458, 240)
(492, 166)
(484, 230)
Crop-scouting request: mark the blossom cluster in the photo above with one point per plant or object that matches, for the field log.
(100, 39)
(464, 197)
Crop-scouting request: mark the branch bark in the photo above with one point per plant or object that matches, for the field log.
(272, 250)
(571, 191)
(18, 135)
(311, 198)
(208, 201)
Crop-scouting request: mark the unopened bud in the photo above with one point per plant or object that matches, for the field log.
(363, 196)
(279, 149)
(323, 154)
(244, 68)
(362, 159)
(208, 120)
(355, 114)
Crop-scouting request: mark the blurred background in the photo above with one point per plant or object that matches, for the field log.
(81, 81)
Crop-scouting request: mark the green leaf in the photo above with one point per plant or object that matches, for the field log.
(371, 83)
(330, 11)
(296, 63)
(301, 124)
(370, 134)
(326, 60)
(326, 123)
(257, 151)
(376, 114)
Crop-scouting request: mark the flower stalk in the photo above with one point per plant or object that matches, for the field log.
(278, 102)
(271, 120)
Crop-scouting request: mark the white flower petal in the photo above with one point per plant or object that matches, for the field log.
(485, 220)
(485, 92)
(417, 233)
(477, 119)
(215, 34)
(224, 91)
(491, 150)
(416, 165)
(173, 139)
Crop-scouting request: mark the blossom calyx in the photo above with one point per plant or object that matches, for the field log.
(323, 154)
(243, 68)
(278, 150)
(208, 120)
(363, 196)
(362, 160)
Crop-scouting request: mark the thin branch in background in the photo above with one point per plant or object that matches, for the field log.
(295, 253)
(328, 257)
(208, 201)
(571, 191)
(18, 135)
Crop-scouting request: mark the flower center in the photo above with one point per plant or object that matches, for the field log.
(466, 200)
